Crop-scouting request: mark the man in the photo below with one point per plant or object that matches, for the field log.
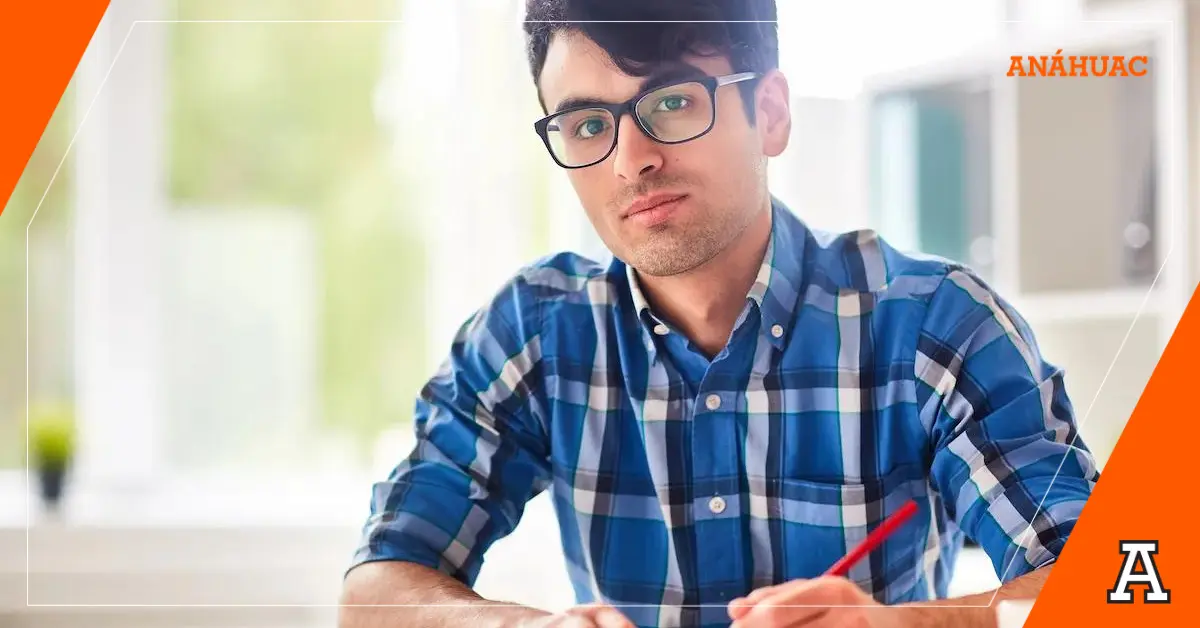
(737, 399)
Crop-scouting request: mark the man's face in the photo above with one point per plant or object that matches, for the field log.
(663, 209)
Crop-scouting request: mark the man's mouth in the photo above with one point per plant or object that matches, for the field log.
(644, 204)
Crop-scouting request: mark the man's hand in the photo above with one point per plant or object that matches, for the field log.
(828, 601)
(821, 602)
(586, 616)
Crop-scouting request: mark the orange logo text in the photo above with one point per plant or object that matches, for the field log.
(1073, 65)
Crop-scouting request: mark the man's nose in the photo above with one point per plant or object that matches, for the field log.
(635, 155)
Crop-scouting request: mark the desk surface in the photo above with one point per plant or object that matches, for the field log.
(171, 548)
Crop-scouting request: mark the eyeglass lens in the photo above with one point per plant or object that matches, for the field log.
(675, 113)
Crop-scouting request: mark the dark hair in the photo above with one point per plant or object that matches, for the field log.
(641, 34)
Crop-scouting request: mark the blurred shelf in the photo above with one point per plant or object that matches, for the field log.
(1077, 305)
(1068, 192)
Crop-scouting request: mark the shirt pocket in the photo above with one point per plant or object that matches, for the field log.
(819, 522)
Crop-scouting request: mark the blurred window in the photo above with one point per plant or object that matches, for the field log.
(327, 235)
(49, 289)
(324, 241)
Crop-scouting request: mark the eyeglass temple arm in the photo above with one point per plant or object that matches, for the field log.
(736, 78)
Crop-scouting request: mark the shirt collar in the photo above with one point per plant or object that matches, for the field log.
(776, 289)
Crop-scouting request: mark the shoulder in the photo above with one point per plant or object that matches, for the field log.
(512, 321)
(864, 261)
(554, 283)
(566, 277)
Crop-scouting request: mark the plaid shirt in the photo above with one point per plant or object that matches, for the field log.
(856, 378)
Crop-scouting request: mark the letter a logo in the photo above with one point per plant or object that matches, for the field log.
(1135, 552)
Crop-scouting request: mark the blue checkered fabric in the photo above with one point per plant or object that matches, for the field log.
(856, 378)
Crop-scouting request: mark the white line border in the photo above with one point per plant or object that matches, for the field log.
(67, 152)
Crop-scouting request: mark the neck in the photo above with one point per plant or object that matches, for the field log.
(705, 302)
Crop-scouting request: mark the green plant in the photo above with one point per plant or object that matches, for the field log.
(51, 434)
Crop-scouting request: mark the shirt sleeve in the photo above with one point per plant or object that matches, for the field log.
(1007, 459)
(480, 451)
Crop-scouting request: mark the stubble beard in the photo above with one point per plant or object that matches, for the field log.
(672, 250)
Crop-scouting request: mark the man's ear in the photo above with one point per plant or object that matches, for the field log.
(774, 113)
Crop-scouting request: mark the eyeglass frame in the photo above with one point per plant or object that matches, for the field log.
(618, 111)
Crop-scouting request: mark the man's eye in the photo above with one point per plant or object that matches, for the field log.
(673, 103)
(590, 128)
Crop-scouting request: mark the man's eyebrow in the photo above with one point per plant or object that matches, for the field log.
(574, 102)
(673, 73)
(662, 76)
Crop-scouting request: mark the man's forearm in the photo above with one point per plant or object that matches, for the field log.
(389, 594)
(938, 613)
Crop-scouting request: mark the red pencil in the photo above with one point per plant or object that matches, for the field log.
(873, 540)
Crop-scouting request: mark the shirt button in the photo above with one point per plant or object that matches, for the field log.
(713, 402)
(777, 331)
(661, 329)
(716, 505)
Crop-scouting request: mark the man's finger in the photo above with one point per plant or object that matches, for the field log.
(797, 603)
(574, 621)
(611, 618)
(788, 607)
(742, 605)
(757, 596)
(602, 615)
(773, 613)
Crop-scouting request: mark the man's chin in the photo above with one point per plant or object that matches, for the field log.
(659, 262)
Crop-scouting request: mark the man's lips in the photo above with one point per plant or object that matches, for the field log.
(646, 203)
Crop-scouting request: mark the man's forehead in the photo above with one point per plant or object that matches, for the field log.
(578, 68)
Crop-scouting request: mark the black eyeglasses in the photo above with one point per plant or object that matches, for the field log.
(586, 135)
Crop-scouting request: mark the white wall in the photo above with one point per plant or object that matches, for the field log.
(819, 175)
(119, 199)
